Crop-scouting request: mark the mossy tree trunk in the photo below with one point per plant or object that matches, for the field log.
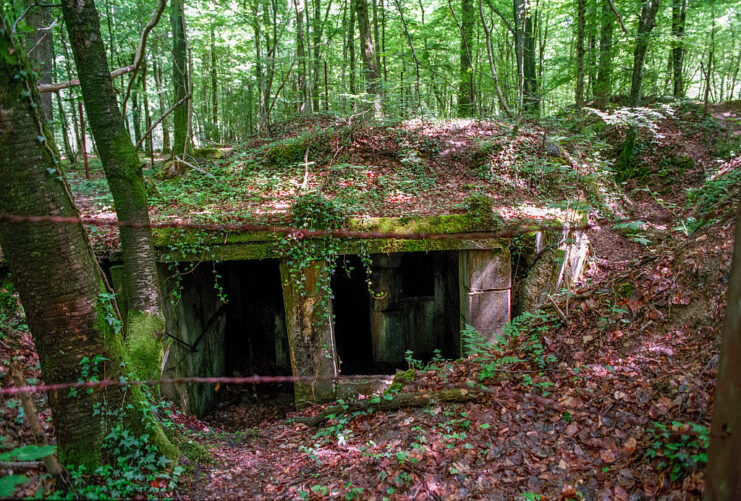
(465, 78)
(144, 321)
(54, 269)
(604, 73)
(180, 77)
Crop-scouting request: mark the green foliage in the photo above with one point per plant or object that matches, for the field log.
(136, 469)
(680, 448)
(314, 211)
(716, 191)
(9, 483)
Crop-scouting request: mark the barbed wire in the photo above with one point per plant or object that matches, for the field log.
(255, 379)
(347, 233)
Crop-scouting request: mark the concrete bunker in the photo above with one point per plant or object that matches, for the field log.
(412, 305)
(422, 294)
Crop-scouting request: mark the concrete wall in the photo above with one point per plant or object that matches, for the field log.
(485, 282)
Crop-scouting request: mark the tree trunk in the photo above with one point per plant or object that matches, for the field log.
(723, 472)
(492, 67)
(351, 49)
(214, 92)
(180, 78)
(38, 45)
(300, 55)
(465, 80)
(679, 14)
(55, 271)
(646, 24)
(372, 84)
(144, 322)
(531, 99)
(581, 7)
(161, 98)
(604, 73)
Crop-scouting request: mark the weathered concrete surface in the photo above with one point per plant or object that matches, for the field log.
(553, 269)
(401, 320)
(485, 281)
(310, 332)
(196, 319)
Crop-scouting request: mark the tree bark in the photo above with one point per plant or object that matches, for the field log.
(723, 472)
(144, 322)
(368, 53)
(300, 55)
(214, 91)
(604, 73)
(679, 14)
(54, 269)
(646, 24)
(180, 78)
(39, 49)
(465, 79)
(581, 7)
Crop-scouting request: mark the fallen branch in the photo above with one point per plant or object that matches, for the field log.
(18, 465)
(400, 401)
(157, 122)
(56, 87)
(188, 164)
(32, 418)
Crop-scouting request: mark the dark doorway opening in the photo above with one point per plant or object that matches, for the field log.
(255, 340)
(415, 306)
(351, 308)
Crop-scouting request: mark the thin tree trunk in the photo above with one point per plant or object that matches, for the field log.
(581, 7)
(301, 73)
(679, 14)
(646, 24)
(180, 78)
(214, 92)
(492, 67)
(414, 55)
(83, 146)
(161, 98)
(144, 322)
(465, 78)
(604, 73)
(368, 53)
(351, 49)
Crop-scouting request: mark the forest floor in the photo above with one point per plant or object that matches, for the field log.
(606, 393)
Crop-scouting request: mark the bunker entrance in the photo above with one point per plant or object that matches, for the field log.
(255, 340)
(413, 305)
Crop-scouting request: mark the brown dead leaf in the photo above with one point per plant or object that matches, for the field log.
(629, 447)
(607, 455)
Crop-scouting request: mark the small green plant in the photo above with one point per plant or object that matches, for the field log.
(9, 483)
(680, 447)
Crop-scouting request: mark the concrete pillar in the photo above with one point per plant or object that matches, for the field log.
(485, 282)
(311, 344)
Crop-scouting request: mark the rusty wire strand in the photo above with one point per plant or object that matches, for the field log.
(340, 233)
